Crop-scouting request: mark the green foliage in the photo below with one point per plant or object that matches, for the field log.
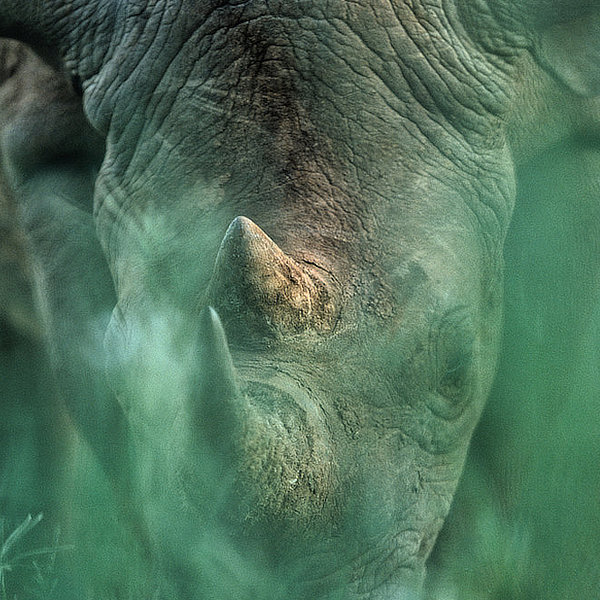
(524, 524)
(32, 567)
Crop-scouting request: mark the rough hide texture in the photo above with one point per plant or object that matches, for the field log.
(267, 243)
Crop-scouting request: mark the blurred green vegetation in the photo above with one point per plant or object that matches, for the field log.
(525, 523)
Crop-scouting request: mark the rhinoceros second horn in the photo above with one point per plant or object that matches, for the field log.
(217, 397)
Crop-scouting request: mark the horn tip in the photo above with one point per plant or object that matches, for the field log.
(215, 348)
(242, 227)
(213, 325)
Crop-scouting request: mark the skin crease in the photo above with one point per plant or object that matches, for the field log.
(369, 142)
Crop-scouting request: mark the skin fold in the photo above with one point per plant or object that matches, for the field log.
(278, 227)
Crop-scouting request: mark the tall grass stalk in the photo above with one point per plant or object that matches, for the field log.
(15, 559)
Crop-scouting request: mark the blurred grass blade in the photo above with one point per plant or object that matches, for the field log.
(22, 530)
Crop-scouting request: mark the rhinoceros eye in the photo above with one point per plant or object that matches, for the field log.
(452, 354)
(455, 373)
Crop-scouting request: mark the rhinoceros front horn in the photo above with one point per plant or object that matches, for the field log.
(257, 287)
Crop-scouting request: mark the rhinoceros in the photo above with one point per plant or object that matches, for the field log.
(268, 243)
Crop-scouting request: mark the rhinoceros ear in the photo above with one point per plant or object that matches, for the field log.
(58, 30)
(567, 43)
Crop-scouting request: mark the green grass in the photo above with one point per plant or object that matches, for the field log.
(32, 567)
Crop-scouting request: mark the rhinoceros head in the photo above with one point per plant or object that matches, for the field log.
(296, 237)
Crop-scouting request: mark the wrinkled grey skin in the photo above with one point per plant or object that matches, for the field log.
(17, 307)
(373, 143)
